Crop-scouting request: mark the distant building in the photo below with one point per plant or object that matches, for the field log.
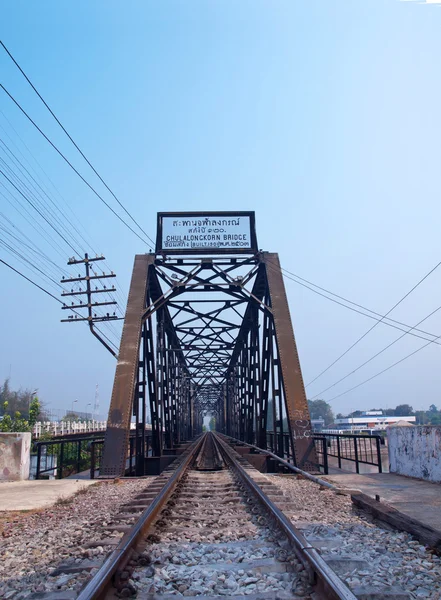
(371, 420)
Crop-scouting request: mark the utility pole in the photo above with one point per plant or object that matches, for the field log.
(91, 316)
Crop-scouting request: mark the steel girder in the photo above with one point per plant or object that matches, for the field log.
(207, 336)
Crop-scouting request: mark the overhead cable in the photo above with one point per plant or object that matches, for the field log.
(70, 164)
(38, 211)
(373, 312)
(379, 320)
(375, 356)
(30, 281)
(375, 324)
(386, 369)
(66, 204)
(73, 141)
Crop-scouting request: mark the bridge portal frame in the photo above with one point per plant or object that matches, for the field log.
(231, 353)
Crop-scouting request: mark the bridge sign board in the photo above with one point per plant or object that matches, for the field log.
(206, 233)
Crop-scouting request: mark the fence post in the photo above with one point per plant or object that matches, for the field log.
(380, 466)
(60, 471)
(325, 456)
(286, 452)
(79, 457)
(338, 451)
(130, 455)
(92, 460)
(357, 466)
(37, 475)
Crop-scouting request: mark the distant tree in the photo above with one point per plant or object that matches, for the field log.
(19, 401)
(389, 412)
(212, 424)
(34, 411)
(435, 418)
(13, 423)
(71, 417)
(433, 409)
(421, 418)
(355, 413)
(320, 409)
(340, 416)
(204, 429)
(403, 410)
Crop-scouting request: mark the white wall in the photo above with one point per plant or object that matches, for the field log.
(415, 451)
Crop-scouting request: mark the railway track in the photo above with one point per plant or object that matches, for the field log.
(212, 526)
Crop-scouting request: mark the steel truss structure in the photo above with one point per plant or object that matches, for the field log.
(207, 336)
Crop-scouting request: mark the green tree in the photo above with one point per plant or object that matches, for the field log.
(204, 429)
(212, 424)
(34, 411)
(13, 423)
(421, 418)
(435, 418)
(71, 417)
(320, 409)
(403, 410)
(389, 412)
(19, 401)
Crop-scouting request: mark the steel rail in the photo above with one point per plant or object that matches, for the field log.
(96, 587)
(286, 464)
(209, 458)
(327, 580)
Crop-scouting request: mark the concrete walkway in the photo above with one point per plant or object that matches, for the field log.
(414, 497)
(30, 495)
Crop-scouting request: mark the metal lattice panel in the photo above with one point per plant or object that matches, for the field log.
(207, 336)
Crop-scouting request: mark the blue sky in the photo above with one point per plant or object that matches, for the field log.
(323, 117)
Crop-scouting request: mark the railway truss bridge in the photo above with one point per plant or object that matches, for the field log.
(207, 331)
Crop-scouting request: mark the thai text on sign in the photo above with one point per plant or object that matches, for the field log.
(192, 233)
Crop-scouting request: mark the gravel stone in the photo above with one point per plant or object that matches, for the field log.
(34, 543)
(393, 558)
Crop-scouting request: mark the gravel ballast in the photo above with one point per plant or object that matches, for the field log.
(33, 544)
(389, 559)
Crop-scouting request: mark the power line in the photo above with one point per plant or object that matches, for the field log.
(66, 204)
(39, 201)
(71, 165)
(39, 212)
(33, 222)
(44, 191)
(11, 247)
(375, 355)
(73, 142)
(286, 273)
(386, 369)
(31, 244)
(379, 320)
(30, 177)
(30, 281)
(375, 324)
(105, 336)
(31, 192)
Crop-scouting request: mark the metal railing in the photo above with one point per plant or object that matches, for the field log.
(62, 458)
(355, 448)
(65, 457)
